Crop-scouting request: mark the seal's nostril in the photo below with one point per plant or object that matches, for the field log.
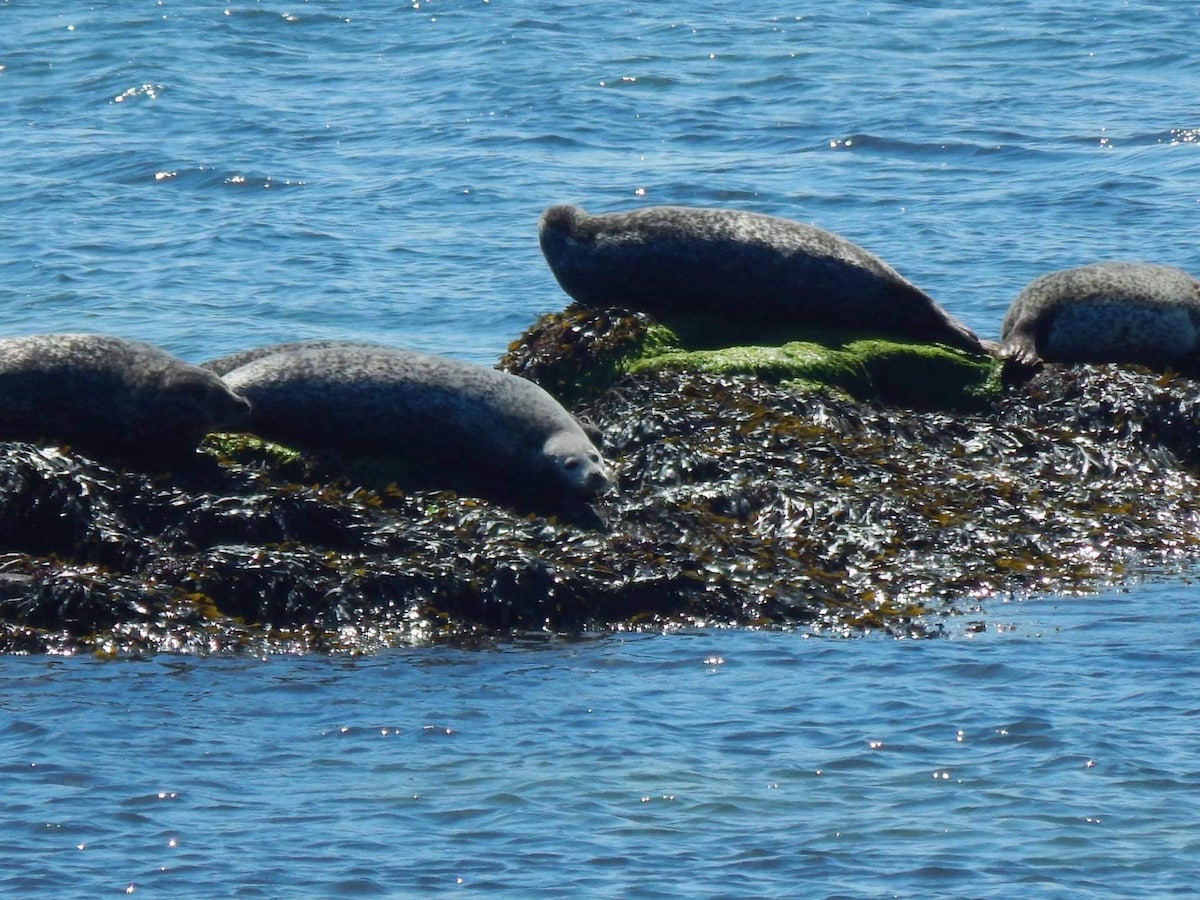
(598, 480)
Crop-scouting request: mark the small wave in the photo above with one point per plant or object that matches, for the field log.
(236, 179)
(641, 81)
(915, 148)
(210, 177)
(147, 91)
(552, 140)
(1177, 136)
(285, 17)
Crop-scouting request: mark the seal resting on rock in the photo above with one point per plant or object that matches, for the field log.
(441, 415)
(223, 365)
(1105, 312)
(110, 396)
(671, 259)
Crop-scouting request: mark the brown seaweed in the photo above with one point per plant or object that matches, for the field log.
(742, 501)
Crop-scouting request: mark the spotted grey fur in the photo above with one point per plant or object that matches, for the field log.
(223, 365)
(434, 411)
(1105, 312)
(109, 395)
(664, 259)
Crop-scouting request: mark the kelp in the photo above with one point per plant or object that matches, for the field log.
(745, 498)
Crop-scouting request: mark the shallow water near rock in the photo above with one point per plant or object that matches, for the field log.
(212, 177)
(1042, 746)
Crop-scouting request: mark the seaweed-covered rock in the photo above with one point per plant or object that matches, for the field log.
(578, 353)
(745, 497)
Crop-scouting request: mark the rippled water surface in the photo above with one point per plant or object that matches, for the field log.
(210, 177)
(1042, 749)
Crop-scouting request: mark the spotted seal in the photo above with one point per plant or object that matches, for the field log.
(1105, 312)
(223, 365)
(110, 396)
(441, 414)
(665, 259)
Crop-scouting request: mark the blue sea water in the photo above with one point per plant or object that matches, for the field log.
(215, 176)
(1044, 748)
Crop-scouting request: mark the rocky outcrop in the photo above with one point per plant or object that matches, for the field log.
(904, 486)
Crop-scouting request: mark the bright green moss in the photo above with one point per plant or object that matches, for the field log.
(795, 361)
(243, 447)
(578, 353)
(928, 376)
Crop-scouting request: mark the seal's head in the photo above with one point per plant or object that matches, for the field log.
(569, 239)
(566, 235)
(577, 463)
(561, 220)
(205, 398)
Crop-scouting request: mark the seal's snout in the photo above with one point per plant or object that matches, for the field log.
(236, 413)
(599, 481)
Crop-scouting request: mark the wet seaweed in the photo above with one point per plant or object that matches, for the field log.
(743, 500)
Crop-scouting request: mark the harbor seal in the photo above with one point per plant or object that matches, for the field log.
(110, 396)
(223, 365)
(670, 259)
(441, 415)
(1105, 312)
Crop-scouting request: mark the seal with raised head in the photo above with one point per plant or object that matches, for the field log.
(441, 415)
(671, 259)
(1105, 312)
(110, 396)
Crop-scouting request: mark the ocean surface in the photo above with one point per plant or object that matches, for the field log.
(210, 177)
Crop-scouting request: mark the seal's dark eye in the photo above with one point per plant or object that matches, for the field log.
(571, 463)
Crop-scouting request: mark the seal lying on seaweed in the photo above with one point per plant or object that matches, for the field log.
(440, 414)
(110, 396)
(670, 259)
(1105, 312)
(223, 365)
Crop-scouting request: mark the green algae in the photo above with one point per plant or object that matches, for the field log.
(867, 367)
(929, 375)
(250, 450)
(607, 344)
(795, 363)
